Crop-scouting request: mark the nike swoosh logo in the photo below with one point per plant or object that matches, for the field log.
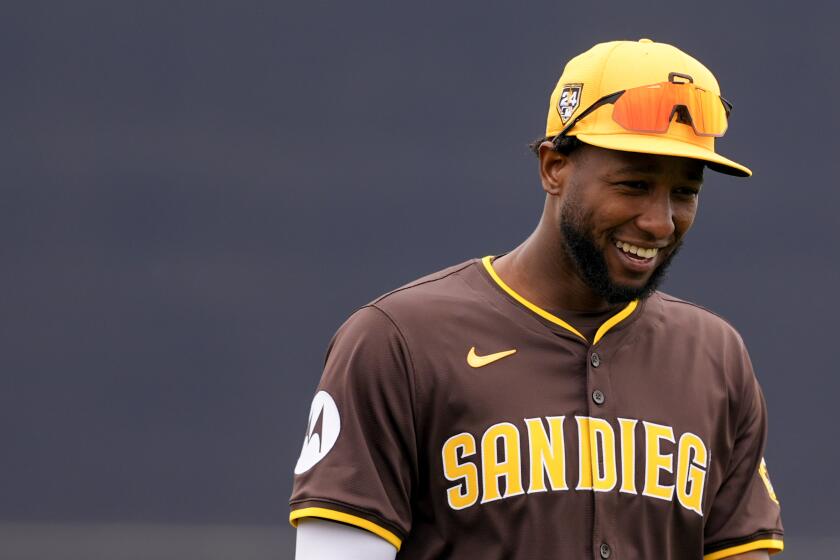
(476, 361)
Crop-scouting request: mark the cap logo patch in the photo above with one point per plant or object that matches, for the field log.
(321, 432)
(569, 101)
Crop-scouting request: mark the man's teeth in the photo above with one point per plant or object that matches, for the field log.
(638, 251)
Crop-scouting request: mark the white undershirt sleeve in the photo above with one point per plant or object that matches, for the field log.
(319, 539)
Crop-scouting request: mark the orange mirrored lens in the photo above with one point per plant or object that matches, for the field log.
(652, 108)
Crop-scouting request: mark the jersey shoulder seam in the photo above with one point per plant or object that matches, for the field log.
(411, 374)
(421, 282)
(673, 299)
(750, 395)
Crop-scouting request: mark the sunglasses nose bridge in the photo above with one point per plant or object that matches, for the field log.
(683, 115)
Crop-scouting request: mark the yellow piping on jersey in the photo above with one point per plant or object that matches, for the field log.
(771, 545)
(342, 517)
(614, 320)
(602, 330)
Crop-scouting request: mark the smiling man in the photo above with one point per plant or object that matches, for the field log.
(550, 402)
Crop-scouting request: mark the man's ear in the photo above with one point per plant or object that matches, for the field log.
(555, 169)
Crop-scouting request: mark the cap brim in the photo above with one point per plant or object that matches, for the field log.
(665, 146)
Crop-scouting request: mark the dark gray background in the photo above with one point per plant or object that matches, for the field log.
(196, 194)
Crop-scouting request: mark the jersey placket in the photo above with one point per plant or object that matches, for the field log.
(600, 401)
(603, 462)
(607, 460)
(602, 435)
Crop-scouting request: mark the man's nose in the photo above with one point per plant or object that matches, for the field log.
(657, 218)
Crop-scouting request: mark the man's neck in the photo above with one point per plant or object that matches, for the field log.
(540, 270)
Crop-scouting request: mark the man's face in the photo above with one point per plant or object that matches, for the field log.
(623, 216)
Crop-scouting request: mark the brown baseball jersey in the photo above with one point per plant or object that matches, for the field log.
(456, 419)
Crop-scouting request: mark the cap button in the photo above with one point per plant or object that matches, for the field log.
(645, 41)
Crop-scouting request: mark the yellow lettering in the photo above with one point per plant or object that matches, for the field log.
(655, 461)
(598, 461)
(547, 454)
(603, 455)
(691, 472)
(462, 495)
(628, 455)
(492, 468)
(584, 454)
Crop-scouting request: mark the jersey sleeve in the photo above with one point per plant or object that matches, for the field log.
(359, 455)
(745, 512)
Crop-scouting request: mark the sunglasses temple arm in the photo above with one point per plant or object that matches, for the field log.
(726, 105)
(611, 98)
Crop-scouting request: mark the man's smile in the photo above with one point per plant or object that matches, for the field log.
(638, 251)
(636, 258)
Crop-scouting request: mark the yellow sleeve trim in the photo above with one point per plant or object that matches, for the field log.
(333, 515)
(602, 330)
(771, 545)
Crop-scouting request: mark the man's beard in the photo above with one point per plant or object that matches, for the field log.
(592, 265)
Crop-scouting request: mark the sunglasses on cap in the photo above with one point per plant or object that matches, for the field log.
(651, 108)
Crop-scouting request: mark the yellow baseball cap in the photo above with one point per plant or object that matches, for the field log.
(608, 68)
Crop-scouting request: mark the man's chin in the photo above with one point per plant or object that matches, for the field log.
(622, 292)
(629, 284)
(598, 267)
(619, 293)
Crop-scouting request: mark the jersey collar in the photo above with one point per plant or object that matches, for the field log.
(602, 330)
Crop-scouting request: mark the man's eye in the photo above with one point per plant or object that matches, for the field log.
(688, 192)
(635, 184)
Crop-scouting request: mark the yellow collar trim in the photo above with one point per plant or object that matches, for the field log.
(615, 319)
(602, 330)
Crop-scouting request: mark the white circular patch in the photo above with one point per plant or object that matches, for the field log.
(321, 431)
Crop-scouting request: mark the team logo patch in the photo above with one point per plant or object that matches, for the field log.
(765, 477)
(569, 101)
(321, 432)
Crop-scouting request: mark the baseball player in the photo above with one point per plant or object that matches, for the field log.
(550, 402)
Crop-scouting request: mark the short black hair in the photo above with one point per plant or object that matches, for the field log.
(565, 144)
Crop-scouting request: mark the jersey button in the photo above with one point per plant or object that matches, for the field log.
(595, 359)
(598, 397)
(605, 551)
